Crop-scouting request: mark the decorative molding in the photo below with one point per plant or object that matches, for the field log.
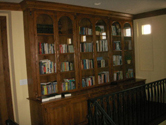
(73, 8)
(150, 14)
(10, 6)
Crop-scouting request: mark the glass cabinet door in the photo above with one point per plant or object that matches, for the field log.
(102, 52)
(117, 51)
(66, 54)
(46, 55)
(86, 46)
(128, 51)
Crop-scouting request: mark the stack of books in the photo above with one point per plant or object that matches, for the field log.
(49, 88)
(101, 45)
(46, 48)
(103, 77)
(68, 84)
(87, 64)
(89, 81)
(47, 66)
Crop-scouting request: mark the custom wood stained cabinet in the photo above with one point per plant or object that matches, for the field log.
(77, 50)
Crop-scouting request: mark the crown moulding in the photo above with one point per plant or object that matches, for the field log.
(10, 6)
(32, 4)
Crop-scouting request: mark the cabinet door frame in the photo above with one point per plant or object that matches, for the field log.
(36, 14)
(73, 19)
(106, 21)
(91, 19)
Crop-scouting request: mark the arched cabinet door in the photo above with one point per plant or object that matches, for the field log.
(102, 52)
(117, 51)
(128, 51)
(66, 47)
(86, 52)
(46, 66)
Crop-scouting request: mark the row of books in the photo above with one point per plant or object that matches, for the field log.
(117, 60)
(89, 81)
(85, 31)
(129, 73)
(67, 66)
(87, 64)
(68, 84)
(44, 28)
(118, 75)
(46, 48)
(117, 45)
(86, 47)
(128, 45)
(47, 66)
(103, 77)
(49, 88)
(100, 62)
(65, 48)
(101, 45)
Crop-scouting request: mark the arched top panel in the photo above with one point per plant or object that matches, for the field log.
(44, 24)
(44, 19)
(127, 29)
(116, 28)
(85, 27)
(65, 25)
(101, 26)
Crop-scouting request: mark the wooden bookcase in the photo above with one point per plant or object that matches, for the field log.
(69, 50)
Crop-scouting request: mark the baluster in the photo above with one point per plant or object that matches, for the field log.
(123, 108)
(155, 100)
(96, 119)
(144, 99)
(90, 113)
(148, 104)
(127, 109)
(162, 97)
(111, 107)
(118, 109)
(114, 108)
(137, 107)
(133, 107)
(164, 93)
(108, 106)
(158, 99)
(130, 104)
(102, 105)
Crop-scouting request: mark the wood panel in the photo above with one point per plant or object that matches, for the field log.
(150, 14)
(71, 8)
(6, 106)
(10, 6)
(74, 110)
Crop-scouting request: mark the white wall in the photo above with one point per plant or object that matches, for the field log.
(17, 65)
(150, 50)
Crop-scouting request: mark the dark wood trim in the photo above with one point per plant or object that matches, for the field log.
(150, 14)
(72, 8)
(10, 6)
(6, 67)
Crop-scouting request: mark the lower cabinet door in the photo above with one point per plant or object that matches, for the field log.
(71, 112)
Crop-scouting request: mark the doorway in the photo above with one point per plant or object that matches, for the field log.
(6, 106)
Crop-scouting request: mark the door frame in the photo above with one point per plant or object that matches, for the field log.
(8, 93)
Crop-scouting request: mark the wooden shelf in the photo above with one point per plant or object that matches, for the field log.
(46, 54)
(48, 74)
(66, 28)
(45, 34)
(65, 53)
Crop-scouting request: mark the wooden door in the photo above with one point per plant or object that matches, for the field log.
(6, 107)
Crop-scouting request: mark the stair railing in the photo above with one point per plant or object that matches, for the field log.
(135, 106)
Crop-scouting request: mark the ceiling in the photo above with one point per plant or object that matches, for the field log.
(125, 6)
